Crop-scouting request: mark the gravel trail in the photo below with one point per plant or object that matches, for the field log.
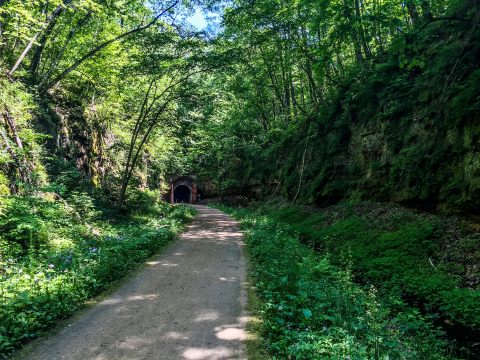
(188, 303)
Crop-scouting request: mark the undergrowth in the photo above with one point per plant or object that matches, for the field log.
(427, 259)
(55, 255)
(311, 308)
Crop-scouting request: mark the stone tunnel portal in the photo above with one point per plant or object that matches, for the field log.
(183, 190)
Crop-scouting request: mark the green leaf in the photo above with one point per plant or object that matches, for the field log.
(307, 313)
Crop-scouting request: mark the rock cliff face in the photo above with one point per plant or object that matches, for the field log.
(406, 130)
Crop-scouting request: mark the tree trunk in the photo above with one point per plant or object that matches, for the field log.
(292, 94)
(412, 11)
(272, 76)
(24, 167)
(354, 35)
(2, 3)
(13, 128)
(56, 13)
(58, 57)
(144, 110)
(18, 163)
(134, 149)
(361, 31)
(426, 10)
(285, 83)
(43, 40)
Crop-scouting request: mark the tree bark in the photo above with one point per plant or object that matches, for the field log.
(16, 160)
(56, 13)
(43, 40)
(412, 11)
(24, 167)
(13, 128)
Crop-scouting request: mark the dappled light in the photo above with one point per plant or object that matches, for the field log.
(232, 333)
(175, 335)
(127, 299)
(186, 304)
(208, 316)
(168, 264)
(216, 353)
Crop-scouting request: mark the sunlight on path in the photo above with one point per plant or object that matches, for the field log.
(187, 304)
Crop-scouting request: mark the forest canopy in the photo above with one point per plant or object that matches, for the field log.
(131, 92)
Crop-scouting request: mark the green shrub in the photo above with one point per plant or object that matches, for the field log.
(23, 222)
(145, 201)
(4, 190)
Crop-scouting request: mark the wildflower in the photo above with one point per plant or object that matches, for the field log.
(51, 266)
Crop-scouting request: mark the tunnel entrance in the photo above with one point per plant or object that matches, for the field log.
(182, 194)
(183, 189)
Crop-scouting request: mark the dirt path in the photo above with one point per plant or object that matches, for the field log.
(186, 304)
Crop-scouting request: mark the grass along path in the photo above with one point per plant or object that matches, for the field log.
(69, 260)
(186, 304)
(312, 309)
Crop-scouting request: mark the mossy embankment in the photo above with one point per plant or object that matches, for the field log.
(403, 129)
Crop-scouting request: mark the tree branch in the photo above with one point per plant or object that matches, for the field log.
(56, 13)
(104, 45)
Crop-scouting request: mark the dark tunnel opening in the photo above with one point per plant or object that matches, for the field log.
(181, 194)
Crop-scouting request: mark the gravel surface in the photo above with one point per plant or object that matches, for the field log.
(186, 304)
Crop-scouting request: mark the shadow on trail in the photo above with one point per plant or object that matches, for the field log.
(186, 304)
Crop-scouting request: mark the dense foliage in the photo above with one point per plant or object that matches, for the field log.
(351, 99)
(55, 256)
(311, 309)
(428, 258)
(95, 86)
(429, 261)
(91, 93)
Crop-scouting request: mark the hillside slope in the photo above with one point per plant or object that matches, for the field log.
(402, 127)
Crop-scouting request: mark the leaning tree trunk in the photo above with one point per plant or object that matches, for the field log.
(37, 55)
(13, 142)
(52, 18)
